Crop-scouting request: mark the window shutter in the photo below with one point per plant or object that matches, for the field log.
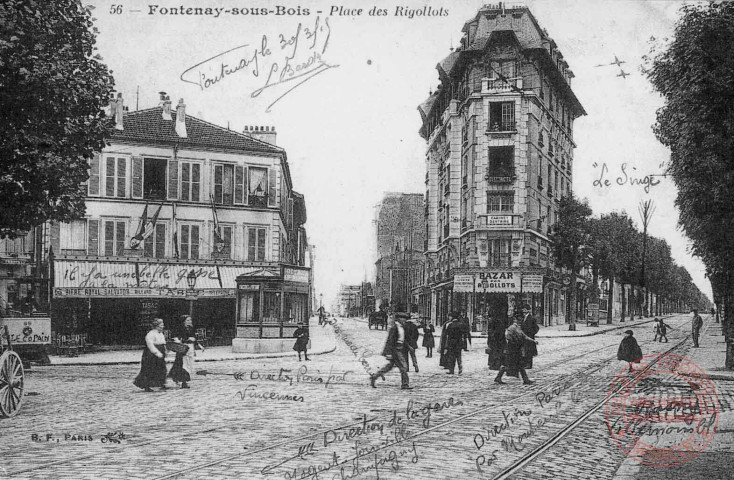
(272, 187)
(239, 185)
(55, 236)
(172, 179)
(137, 183)
(120, 238)
(121, 177)
(109, 177)
(185, 181)
(195, 181)
(194, 242)
(93, 237)
(93, 182)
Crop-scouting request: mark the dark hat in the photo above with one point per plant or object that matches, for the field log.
(402, 315)
(629, 332)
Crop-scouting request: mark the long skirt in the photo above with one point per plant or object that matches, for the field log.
(152, 369)
(183, 366)
(428, 340)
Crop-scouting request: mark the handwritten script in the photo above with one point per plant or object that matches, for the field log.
(281, 63)
(627, 176)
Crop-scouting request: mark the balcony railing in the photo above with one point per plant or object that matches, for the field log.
(502, 127)
(500, 260)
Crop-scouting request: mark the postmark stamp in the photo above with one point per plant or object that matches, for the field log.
(665, 415)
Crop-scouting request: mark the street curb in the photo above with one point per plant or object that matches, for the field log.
(591, 334)
(170, 360)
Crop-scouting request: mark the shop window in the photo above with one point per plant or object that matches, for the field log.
(155, 244)
(271, 307)
(115, 177)
(296, 308)
(114, 237)
(190, 181)
(249, 308)
(223, 184)
(189, 240)
(256, 244)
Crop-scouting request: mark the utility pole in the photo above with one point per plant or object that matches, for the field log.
(646, 210)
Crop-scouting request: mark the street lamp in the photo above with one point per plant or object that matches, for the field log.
(191, 281)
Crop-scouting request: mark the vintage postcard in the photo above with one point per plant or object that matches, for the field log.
(386, 239)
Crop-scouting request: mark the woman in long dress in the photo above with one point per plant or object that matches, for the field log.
(153, 363)
(428, 340)
(183, 366)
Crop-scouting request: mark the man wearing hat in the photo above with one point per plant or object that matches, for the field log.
(530, 328)
(696, 325)
(301, 336)
(396, 352)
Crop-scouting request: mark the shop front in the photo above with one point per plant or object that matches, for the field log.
(113, 303)
(270, 304)
(497, 293)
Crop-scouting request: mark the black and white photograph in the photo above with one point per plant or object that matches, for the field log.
(367, 240)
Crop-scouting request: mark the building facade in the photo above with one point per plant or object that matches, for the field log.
(401, 238)
(499, 133)
(177, 210)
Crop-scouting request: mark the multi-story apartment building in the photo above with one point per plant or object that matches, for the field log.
(400, 245)
(177, 209)
(499, 133)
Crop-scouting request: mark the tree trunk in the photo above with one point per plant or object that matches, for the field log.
(572, 310)
(624, 301)
(610, 300)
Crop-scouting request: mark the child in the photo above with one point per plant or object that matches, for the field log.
(629, 350)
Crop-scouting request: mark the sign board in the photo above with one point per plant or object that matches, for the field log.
(499, 220)
(62, 292)
(593, 312)
(295, 275)
(26, 331)
(498, 281)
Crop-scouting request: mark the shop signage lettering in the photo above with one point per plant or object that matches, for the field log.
(499, 220)
(27, 331)
(61, 292)
(498, 281)
(295, 275)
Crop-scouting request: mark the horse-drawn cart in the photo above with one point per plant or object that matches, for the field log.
(17, 331)
(377, 320)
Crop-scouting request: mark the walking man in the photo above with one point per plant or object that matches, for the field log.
(411, 341)
(696, 325)
(530, 328)
(455, 338)
(513, 360)
(395, 352)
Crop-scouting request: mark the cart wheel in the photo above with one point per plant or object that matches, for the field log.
(11, 383)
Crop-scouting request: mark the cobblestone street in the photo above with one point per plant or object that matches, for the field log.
(324, 420)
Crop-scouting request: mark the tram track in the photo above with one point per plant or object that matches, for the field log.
(470, 393)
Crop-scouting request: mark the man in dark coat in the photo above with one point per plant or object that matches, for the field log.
(530, 328)
(453, 343)
(696, 325)
(411, 341)
(395, 351)
(466, 332)
(495, 342)
(301, 345)
(629, 350)
(513, 358)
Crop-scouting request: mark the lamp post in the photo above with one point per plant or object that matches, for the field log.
(191, 281)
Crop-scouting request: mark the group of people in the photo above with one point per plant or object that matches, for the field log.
(153, 371)
(510, 350)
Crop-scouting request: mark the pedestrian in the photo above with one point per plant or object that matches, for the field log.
(428, 340)
(301, 345)
(395, 352)
(454, 335)
(183, 365)
(663, 330)
(629, 350)
(466, 333)
(411, 342)
(656, 329)
(495, 342)
(530, 328)
(513, 358)
(696, 325)
(322, 315)
(153, 362)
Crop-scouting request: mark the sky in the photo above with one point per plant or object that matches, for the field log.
(347, 116)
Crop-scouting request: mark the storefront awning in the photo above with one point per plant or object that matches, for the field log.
(129, 279)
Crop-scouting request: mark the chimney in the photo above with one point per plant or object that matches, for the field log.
(166, 104)
(119, 110)
(181, 118)
(264, 134)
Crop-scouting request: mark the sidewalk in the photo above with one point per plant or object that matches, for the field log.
(322, 341)
(714, 462)
(558, 331)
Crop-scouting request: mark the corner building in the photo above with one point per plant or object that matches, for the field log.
(174, 202)
(499, 133)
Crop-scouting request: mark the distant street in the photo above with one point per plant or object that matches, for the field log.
(230, 426)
